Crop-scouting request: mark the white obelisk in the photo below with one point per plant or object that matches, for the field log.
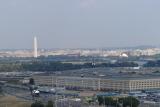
(35, 48)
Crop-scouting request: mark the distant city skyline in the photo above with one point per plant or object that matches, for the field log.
(79, 23)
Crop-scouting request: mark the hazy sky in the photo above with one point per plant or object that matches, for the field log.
(79, 23)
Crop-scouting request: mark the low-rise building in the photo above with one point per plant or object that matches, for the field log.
(119, 84)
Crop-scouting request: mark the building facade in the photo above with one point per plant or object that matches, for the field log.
(98, 83)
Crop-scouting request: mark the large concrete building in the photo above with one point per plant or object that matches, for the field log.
(120, 84)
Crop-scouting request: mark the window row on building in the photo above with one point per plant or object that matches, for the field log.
(98, 83)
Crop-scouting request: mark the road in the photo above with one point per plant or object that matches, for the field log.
(25, 94)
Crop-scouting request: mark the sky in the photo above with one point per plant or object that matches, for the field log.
(79, 23)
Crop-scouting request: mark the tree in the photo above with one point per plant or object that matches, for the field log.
(50, 104)
(37, 104)
(129, 101)
(110, 101)
(31, 86)
(31, 81)
(100, 100)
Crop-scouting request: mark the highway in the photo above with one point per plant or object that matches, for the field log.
(25, 94)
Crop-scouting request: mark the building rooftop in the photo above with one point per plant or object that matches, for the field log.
(108, 73)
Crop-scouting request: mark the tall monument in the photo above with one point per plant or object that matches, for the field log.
(35, 48)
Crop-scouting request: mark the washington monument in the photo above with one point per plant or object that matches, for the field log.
(35, 48)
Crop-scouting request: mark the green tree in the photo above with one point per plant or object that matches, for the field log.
(50, 104)
(31, 85)
(109, 101)
(129, 101)
(31, 81)
(100, 100)
(37, 104)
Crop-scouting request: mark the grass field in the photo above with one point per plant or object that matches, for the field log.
(10, 101)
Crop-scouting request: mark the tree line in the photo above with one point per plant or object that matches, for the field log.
(57, 66)
(155, 63)
(118, 102)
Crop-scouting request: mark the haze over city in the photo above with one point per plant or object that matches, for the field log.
(79, 23)
(79, 53)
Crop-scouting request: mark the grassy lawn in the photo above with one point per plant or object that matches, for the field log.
(10, 101)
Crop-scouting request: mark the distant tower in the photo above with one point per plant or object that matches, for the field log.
(35, 48)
